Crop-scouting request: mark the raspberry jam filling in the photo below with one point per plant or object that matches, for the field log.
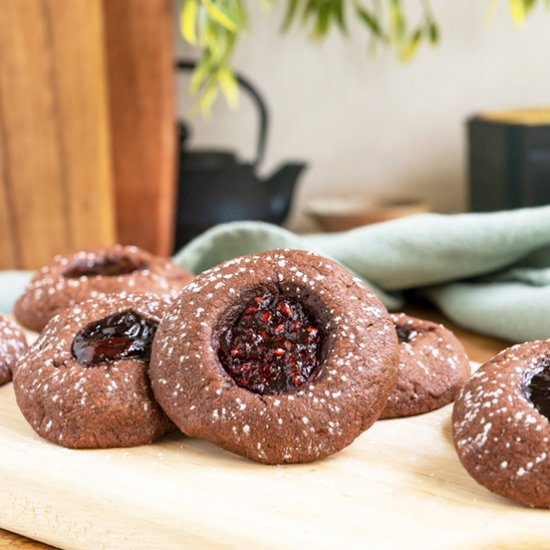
(124, 335)
(273, 347)
(106, 267)
(536, 387)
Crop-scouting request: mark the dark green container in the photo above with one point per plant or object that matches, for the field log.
(509, 160)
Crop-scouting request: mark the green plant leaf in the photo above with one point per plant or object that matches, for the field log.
(410, 48)
(397, 21)
(290, 14)
(369, 20)
(433, 32)
(200, 75)
(214, 26)
(221, 17)
(207, 99)
(236, 11)
(229, 86)
(339, 15)
(323, 21)
(517, 11)
(528, 5)
(188, 21)
(309, 11)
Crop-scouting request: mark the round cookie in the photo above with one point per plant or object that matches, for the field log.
(84, 384)
(72, 279)
(501, 424)
(433, 366)
(281, 357)
(12, 346)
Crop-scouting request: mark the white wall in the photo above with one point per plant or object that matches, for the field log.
(371, 125)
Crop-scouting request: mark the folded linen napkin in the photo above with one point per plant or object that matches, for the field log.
(487, 272)
(12, 284)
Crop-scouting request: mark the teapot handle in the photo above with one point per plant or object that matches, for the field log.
(187, 65)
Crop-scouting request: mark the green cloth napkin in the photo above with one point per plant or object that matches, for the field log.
(12, 284)
(487, 272)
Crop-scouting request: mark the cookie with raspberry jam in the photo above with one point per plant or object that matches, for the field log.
(84, 383)
(13, 345)
(72, 279)
(281, 357)
(501, 424)
(433, 366)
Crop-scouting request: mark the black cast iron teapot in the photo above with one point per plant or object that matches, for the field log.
(215, 187)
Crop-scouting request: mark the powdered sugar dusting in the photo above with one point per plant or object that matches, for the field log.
(50, 290)
(12, 346)
(494, 420)
(262, 423)
(57, 394)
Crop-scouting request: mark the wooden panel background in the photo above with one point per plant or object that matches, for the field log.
(87, 132)
(55, 178)
(7, 237)
(83, 118)
(140, 65)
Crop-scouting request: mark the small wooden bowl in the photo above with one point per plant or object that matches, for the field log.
(343, 213)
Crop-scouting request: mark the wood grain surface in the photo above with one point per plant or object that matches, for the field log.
(55, 179)
(17, 542)
(8, 256)
(399, 485)
(140, 62)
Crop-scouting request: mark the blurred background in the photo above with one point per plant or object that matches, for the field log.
(369, 124)
(90, 95)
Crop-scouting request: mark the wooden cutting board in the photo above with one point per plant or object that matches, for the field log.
(400, 485)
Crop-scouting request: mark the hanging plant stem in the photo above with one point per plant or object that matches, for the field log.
(215, 26)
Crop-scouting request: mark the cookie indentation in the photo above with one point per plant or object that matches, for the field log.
(106, 267)
(405, 334)
(536, 387)
(274, 346)
(123, 335)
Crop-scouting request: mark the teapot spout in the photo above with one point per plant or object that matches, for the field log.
(280, 187)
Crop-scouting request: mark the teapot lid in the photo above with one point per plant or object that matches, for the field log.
(207, 159)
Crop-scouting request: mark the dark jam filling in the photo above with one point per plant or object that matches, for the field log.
(404, 334)
(536, 387)
(273, 347)
(124, 335)
(107, 267)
